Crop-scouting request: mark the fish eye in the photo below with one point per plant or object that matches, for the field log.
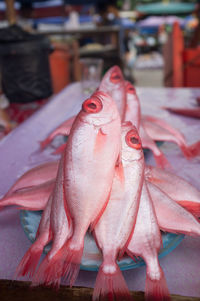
(115, 77)
(133, 140)
(92, 105)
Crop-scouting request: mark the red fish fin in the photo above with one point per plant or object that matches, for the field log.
(195, 149)
(50, 271)
(45, 142)
(161, 161)
(93, 224)
(72, 264)
(110, 286)
(156, 290)
(30, 260)
(186, 151)
(100, 141)
(59, 150)
(193, 207)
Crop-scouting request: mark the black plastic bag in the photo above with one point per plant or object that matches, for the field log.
(25, 68)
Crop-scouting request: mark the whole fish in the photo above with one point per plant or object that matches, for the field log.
(113, 83)
(146, 242)
(189, 112)
(29, 262)
(35, 176)
(61, 227)
(175, 187)
(30, 198)
(171, 216)
(113, 230)
(91, 153)
(63, 129)
(133, 111)
(159, 133)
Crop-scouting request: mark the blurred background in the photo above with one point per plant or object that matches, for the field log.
(42, 44)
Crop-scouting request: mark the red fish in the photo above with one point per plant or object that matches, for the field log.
(115, 226)
(190, 112)
(158, 133)
(175, 187)
(30, 260)
(35, 176)
(62, 129)
(113, 84)
(30, 198)
(146, 242)
(171, 216)
(61, 227)
(133, 111)
(92, 151)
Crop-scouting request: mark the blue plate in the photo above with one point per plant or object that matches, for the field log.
(91, 259)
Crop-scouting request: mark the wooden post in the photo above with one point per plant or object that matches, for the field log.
(10, 12)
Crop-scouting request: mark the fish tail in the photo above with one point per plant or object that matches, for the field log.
(30, 261)
(59, 150)
(156, 289)
(110, 286)
(161, 161)
(49, 272)
(192, 207)
(195, 149)
(72, 263)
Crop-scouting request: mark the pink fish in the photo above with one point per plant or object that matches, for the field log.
(158, 133)
(30, 198)
(92, 151)
(133, 111)
(63, 129)
(61, 227)
(175, 187)
(113, 84)
(190, 112)
(171, 216)
(29, 262)
(115, 226)
(146, 242)
(35, 176)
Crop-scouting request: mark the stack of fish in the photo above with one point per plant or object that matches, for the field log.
(101, 184)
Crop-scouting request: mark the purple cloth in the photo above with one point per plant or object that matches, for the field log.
(19, 151)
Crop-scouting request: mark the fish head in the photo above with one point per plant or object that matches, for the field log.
(112, 80)
(131, 143)
(99, 109)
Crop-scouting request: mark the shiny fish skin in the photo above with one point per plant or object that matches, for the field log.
(89, 169)
(113, 83)
(35, 176)
(50, 270)
(146, 242)
(171, 216)
(175, 187)
(114, 228)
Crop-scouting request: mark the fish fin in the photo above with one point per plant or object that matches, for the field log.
(59, 150)
(29, 262)
(192, 207)
(162, 162)
(45, 142)
(156, 290)
(100, 141)
(50, 271)
(186, 151)
(93, 224)
(72, 263)
(110, 286)
(195, 149)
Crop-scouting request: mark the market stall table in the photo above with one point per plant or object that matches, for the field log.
(19, 151)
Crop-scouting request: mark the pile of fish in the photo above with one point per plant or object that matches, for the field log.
(101, 183)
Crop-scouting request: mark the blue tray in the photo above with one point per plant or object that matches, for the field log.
(91, 259)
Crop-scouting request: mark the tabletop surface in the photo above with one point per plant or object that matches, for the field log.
(19, 151)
